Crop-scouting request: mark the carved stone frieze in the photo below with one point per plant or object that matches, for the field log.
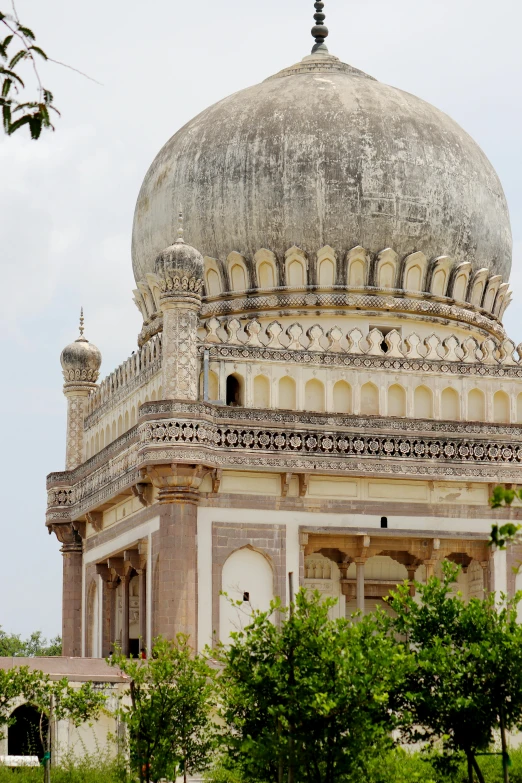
(391, 302)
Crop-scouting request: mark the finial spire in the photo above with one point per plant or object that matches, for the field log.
(319, 30)
(81, 322)
(180, 226)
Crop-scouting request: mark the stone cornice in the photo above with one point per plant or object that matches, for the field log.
(277, 441)
(372, 299)
(358, 362)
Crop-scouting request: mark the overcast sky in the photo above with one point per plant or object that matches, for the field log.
(67, 201)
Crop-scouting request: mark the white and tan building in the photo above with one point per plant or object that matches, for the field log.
(323, 385)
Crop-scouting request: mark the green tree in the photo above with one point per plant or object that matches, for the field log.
(18, 47)
(304, 697)
(466, 678)
(171, 730)
(13, 646)
(55, 700)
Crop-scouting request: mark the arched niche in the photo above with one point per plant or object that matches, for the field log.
(440, 273)
(499, 299)
(342, 397)
(247, 577)
(492, 287)
(386, 269)
(237, 272)
(501, 407)
(314, 396)
(261, 392)
(266, 269)
(369, 400)
(133, 419)
(476, 405)
(357, 264)
(396, 401)
(459, 288)
(235, 390)
(287, 393)
(450, 405)
(213, 386)
(414, 272)
(127, 421)
(296, 266)
(477, 287)
(326, 267)
(423, 403)
(213, 283)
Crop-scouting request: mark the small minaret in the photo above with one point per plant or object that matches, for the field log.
(180, 270)
(81, 366)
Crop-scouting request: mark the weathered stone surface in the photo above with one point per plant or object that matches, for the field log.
(322, 154)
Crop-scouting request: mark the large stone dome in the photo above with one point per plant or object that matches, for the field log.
(323, 154)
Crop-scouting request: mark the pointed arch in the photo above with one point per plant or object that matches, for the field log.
(396, 401)
(501, 407)
(261, 392)
(287, 393)
(342, 397)
(476, 405)
(450, 404)
(314, 395)
(423, 403)
(370, 399)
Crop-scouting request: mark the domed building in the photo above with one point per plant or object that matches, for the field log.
(323, 393)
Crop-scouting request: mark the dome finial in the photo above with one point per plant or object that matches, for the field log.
(180, 226)
(319, 30)
(81, 322)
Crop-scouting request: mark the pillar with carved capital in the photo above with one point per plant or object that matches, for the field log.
(177, 600)
(180, 270)
(72, 589)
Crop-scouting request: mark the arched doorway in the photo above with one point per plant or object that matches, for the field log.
(24, 735)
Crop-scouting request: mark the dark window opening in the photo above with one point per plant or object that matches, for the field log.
(23, 736)
(246, 597)
(134, 648)
(384, 521)
(233, 391)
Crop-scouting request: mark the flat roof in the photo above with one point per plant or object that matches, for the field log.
(74, 669)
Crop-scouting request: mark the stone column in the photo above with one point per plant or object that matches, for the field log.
(71, 590)
(484, 564)
(411, 580)
(142, 577)
(177, 599)
(359, 566)
(430, 568)
(125, 612)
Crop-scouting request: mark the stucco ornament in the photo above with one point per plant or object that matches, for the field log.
(321, 154)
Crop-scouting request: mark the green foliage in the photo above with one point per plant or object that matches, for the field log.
(170, 725)
(88, 769)
(19, 47)
(467, 671)
(304, 697)
(13, 646)
(503, 536)
(60, 698)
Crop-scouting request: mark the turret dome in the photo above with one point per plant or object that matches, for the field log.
(81, 360)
